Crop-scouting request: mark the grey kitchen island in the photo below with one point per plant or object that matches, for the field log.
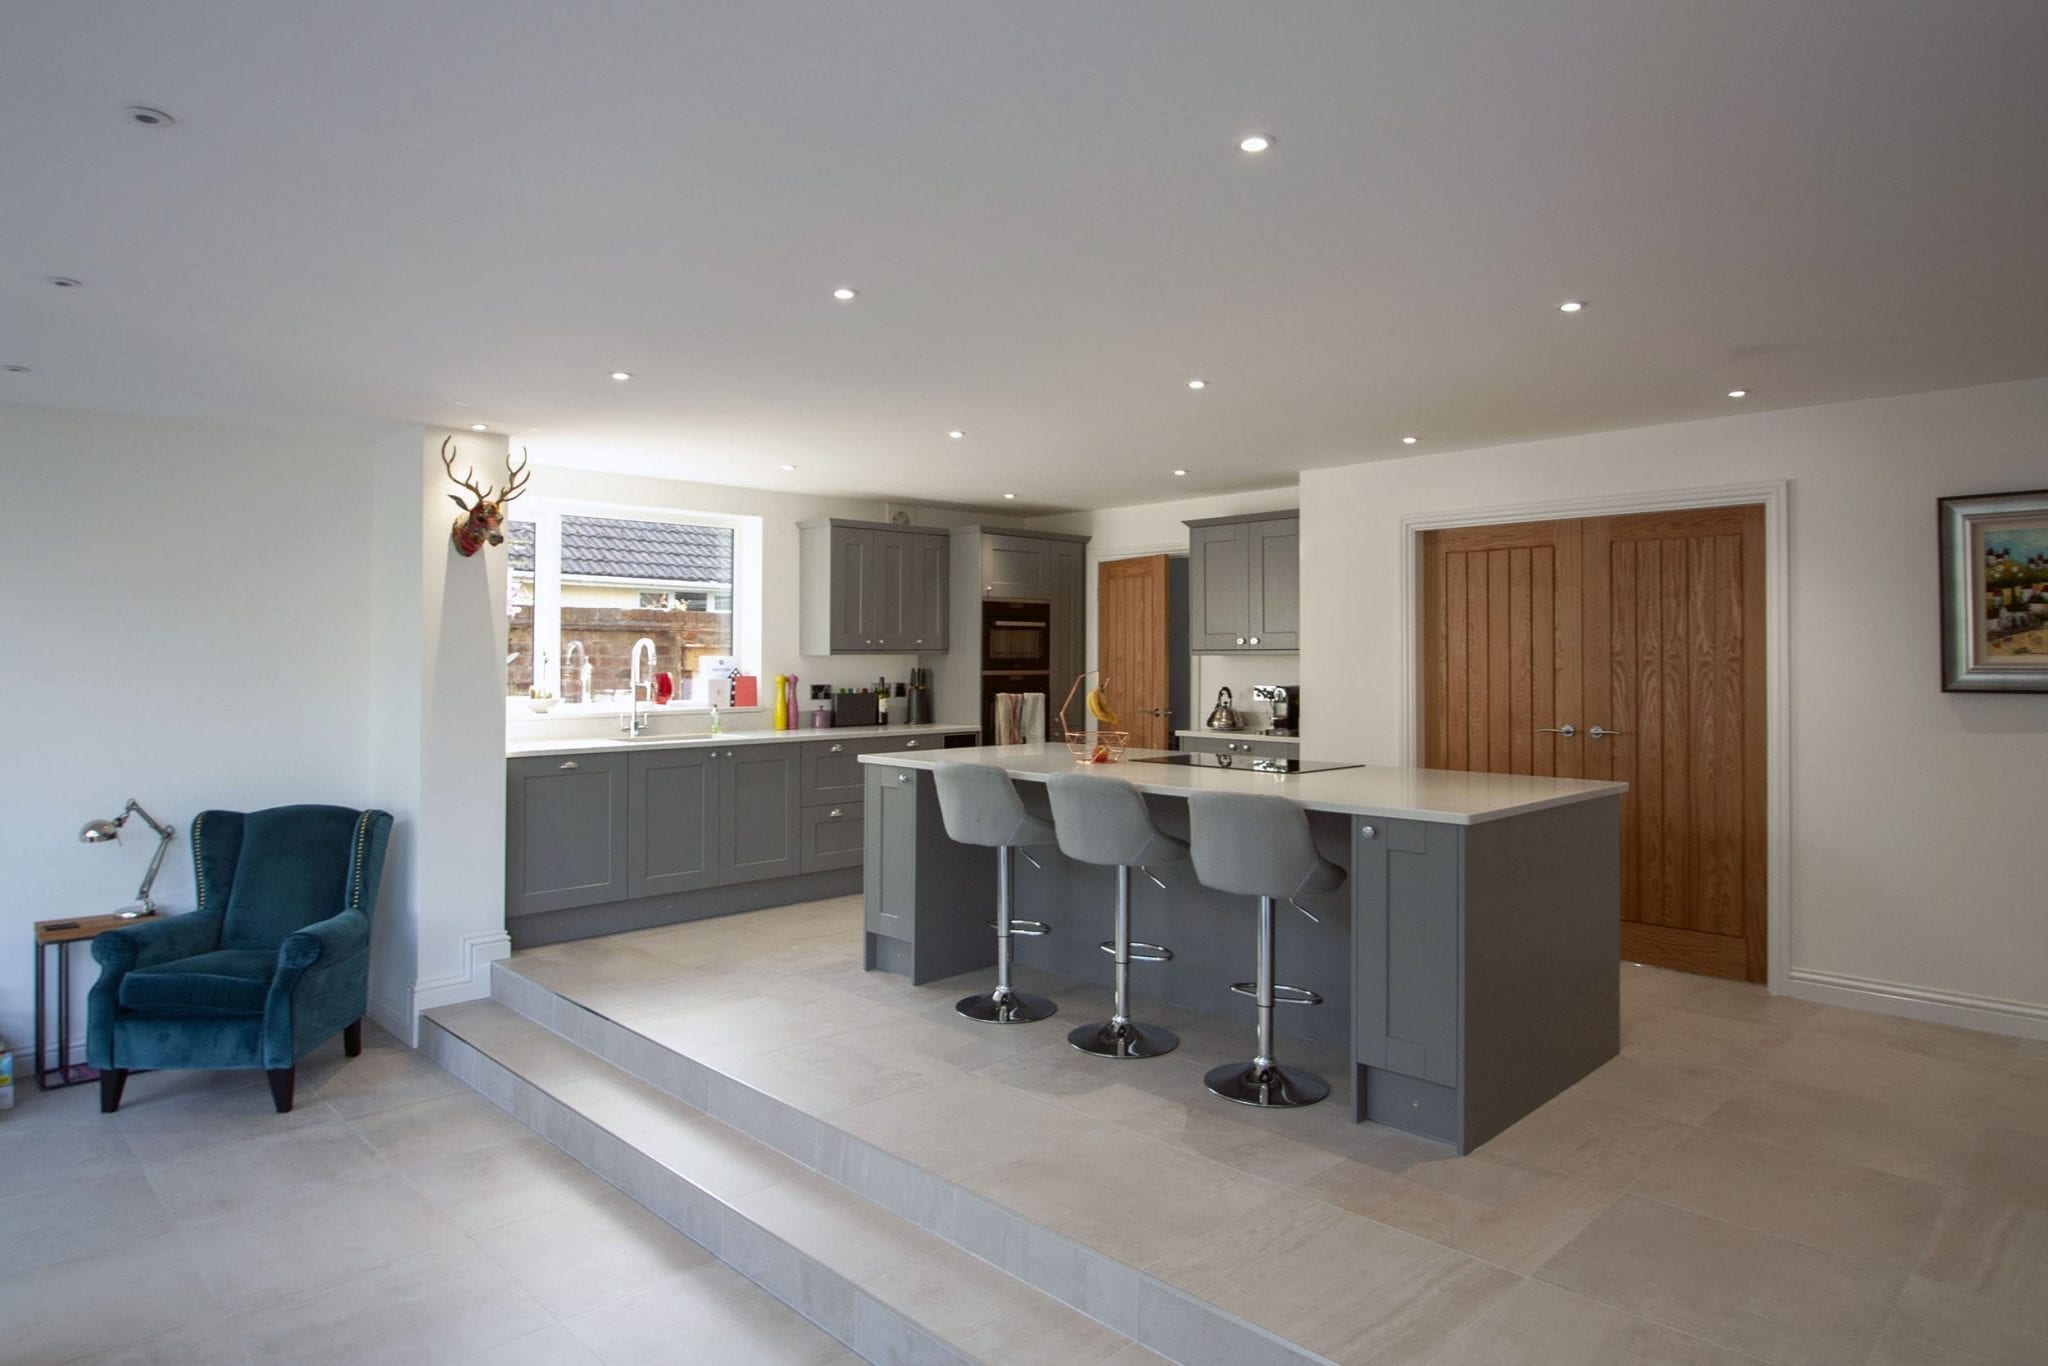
(1468, 966)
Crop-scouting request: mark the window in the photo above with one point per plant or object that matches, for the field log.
(584, 587)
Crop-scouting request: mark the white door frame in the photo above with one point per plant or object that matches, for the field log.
(1774, 496)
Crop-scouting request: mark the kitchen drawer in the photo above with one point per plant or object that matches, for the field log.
(832, 771)
(1253, 746)
(832, 836)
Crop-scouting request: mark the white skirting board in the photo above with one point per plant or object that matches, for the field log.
(471, 983)
(1987, 1013)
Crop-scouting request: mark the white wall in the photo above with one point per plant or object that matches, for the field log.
(185, 621)
(1914, 816)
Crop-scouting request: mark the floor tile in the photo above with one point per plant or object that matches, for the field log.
(1347, 1287)
(1906, 1140)
(725, 1319)
(378, 1080)
(589, 1252)
(1990, 1248)
(519, 1176)
(173, 1123)
(1917, 1036)
(1671, 1086)
(554, 1345)
(254, 1173)
(207, 1343)
(2011, 1164)
(1271, 1145)
(259, 1256)
(1536, 1324)
(1775, 1299)
(1857, 1066)
(1834, 1206)
(1687, 1035)
(438, 1305)
(60, 1310)
(1490, 1208)
(443, 1127)
(991, 1315)
(1588, 1139)
(1937, 1325)
(62, 1219)
(830, 1224)
(956, 1124)
(1745, 1002)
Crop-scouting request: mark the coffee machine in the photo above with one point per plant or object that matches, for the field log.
(1283, 701)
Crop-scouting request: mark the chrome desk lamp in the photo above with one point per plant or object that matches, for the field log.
(99, 832)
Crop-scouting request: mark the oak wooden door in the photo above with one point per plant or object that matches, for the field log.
(1131, 643)
(1644, 634)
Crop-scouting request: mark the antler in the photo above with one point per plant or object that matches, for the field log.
(516, 483)
(468, 481)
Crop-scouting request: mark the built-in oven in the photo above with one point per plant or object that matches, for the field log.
(1016, 637)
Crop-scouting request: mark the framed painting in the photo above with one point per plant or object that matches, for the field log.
(1994, 593)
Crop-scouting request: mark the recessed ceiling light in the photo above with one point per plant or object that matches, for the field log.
(1257, 142)
(789, 467)
(1410, 440)
(147, 117)
(845, 295)
(478, 427)
(1571, 306)
(1738, 393)
(1009, 495)
(956, 434)
(66, 282)
(15, 369)
(1180, 474)
(621, 376)
(1198, 384)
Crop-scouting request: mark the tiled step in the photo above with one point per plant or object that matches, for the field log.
(1162, 1317)
(888, 1289)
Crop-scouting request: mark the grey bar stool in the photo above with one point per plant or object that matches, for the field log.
(1104, 821)
(1260, 846)
(980, 805)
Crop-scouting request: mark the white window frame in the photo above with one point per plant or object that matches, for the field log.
(546, 515)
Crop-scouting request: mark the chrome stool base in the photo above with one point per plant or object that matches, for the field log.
(1268, 1086)
(1127, 1040)
(1006, 1007)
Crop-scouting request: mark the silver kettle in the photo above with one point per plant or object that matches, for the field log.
(1225, 715)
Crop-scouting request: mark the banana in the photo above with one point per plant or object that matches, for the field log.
(1099, 708)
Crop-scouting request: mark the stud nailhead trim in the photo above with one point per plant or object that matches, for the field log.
(198, 862)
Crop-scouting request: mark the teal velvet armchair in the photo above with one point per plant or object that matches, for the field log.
(275, 959)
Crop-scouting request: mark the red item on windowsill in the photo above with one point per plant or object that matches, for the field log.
(746, 690)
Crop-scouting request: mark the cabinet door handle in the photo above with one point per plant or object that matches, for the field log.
(1367, 831)
(903, 777)
(570, 763)
(1240, 640)
(833, 814)
(911, 744)
(1255, 640)
(836, 749)
(920, 640)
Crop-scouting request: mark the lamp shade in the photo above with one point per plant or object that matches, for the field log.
(97, 832)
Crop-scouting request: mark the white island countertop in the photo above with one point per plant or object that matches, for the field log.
(1421, 794)
(588, 744)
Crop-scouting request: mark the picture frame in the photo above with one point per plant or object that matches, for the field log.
(1994, 592)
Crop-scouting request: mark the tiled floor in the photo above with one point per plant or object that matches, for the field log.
(393, 1216)
(1754, 1179)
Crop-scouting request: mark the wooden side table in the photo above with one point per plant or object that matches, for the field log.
(60, 935)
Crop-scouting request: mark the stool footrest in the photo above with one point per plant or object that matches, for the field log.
(1282, 996)
(1140, 953)
(1029, 928)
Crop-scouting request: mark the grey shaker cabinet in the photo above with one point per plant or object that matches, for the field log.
(1405, 919)
(674, 802)
(1069, 584)
(1244, 584)
(565, 817)
(758, 829)
(1253, 748)
(871, 588)
(1016, 566)
(832, 837)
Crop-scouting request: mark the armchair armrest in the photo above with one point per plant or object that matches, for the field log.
(156, 941)
(325, 941)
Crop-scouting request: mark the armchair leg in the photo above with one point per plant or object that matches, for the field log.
(352, 1039)
(281, 1079)
(111, 1082)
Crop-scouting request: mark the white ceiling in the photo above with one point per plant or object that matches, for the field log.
(376, 214)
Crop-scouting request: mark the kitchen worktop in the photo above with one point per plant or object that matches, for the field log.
(1424, 794)
(1237, 735)
(521, 749)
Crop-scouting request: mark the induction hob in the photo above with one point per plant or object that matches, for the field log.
(1247, 762)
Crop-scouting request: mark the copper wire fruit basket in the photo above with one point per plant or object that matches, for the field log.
(1091, 746)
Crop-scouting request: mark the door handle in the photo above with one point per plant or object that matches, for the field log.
(1567, 730)
(568, 764)
(1601, 732)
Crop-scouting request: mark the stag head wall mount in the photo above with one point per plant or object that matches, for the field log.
(483, 520)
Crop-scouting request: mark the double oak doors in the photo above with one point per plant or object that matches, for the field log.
(1629, 649)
